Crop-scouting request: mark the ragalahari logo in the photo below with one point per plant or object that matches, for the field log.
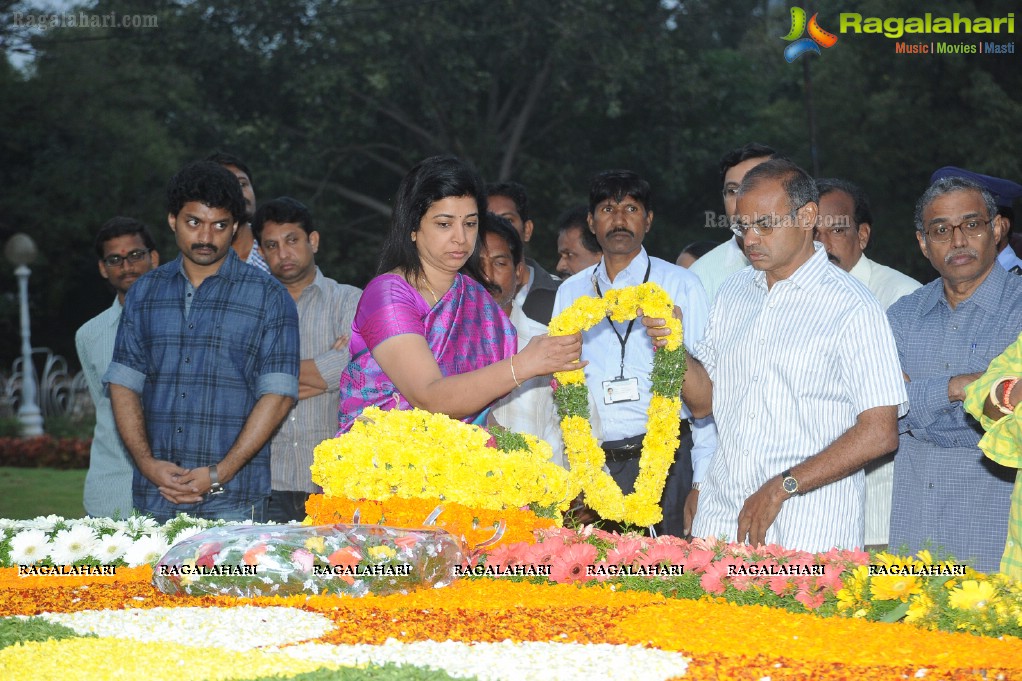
(817, 36)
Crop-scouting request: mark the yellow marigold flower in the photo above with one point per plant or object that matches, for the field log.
(317, 544)
(381, 552)
(894, 587)
(973, 595)
(920, 608)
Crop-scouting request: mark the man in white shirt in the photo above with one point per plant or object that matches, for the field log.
(726, 259)
(844, 229)
(620, 357)
(125, 250)
(801, 371)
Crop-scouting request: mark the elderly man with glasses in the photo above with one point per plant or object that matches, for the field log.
(946, 496)
(800, 370)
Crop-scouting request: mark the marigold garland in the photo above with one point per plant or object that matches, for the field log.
(416, 454)
(587, 459)
(473, 525)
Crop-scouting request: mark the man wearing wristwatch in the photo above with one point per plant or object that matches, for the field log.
(205, 364)
(800, 371)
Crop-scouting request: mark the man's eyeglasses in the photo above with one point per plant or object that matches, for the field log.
(760, 228)
(119, 260)
(942, 232)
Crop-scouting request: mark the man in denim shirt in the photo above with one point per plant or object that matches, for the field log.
(205, 363)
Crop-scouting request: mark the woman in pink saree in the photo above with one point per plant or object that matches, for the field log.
(426, 333)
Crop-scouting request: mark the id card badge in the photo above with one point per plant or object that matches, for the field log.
(620, 390)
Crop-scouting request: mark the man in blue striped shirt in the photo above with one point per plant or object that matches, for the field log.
(947, 495)
(205, 363)
(800, 370)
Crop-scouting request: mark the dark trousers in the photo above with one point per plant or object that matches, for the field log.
(286, 506)
(676, 488)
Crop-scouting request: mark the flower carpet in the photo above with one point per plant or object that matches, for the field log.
(680, 612)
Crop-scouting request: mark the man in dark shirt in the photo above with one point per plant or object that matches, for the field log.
(205, 363)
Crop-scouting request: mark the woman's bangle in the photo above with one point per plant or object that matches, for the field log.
(1006, 396)
(996, 388)
(513, 372)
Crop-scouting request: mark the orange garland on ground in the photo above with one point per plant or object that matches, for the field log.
(476, 525)
(724, 640)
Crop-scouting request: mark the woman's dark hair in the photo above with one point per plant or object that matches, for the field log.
(434, 179)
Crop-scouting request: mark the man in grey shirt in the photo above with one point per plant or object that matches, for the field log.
(126, 251)
(289, 242)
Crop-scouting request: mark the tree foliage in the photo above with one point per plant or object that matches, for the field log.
(331, 101)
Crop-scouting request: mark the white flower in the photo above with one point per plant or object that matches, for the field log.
(148, 549)
(141, 524)
(73, 545)
(112, 547)
(44, 523)
(29, 547)
(186, 533)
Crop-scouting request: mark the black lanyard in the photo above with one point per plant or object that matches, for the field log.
(628, 332)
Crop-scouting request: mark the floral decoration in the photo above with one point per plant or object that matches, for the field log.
(351, 560)
(586, 458)
(415, 454)
(473, 526)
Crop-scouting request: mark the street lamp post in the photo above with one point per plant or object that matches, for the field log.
(20, 251)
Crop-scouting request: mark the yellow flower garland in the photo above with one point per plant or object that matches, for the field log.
(419, 455)
(603, 495)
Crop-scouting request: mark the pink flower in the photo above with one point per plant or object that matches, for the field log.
(554, 385)
(507, 554)
(570, 564)
(207, 553)
(303, 559)
(625, 552)
(712, 580)
(810, 600)
(698, 559)
(662, 553)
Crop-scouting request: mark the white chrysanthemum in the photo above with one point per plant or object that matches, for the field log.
(147, 550)
(8, 524)
(112, 547)
(70, 546)
(140, 524)
(29, 547)
(101, 523)
(187, 532)
(44, 523)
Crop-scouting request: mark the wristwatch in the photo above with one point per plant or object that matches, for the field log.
(214, 482)
(789, 483)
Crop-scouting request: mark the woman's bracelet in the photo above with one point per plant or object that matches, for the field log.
(513, 372)
(996, 388)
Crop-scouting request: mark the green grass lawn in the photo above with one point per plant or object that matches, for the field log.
(31, 492)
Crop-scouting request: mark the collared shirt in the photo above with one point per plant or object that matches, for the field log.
(1009, 260)
(256, 259)
(888, 285)
(1003, 444)
(793, 366)
(601, 347)
(536, 296)
(939, 468)
(715, 267)
(530, 407)
(201, 358)
(108, 482)
(325, 312)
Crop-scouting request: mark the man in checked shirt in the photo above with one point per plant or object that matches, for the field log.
(325, 310)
